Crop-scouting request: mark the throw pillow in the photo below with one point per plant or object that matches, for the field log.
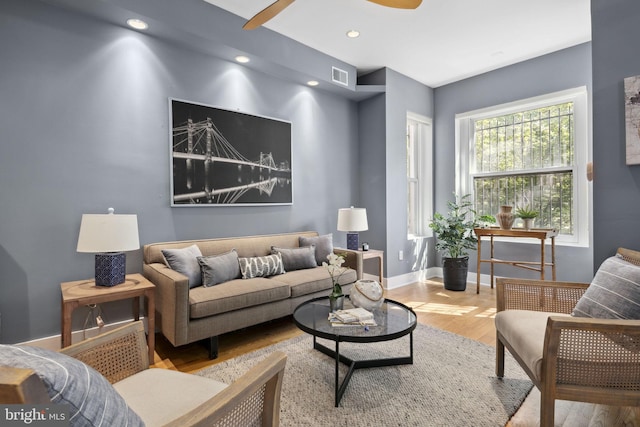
(323, 244)
(185, 261)
(614, 292)
(219, 268)
(262, 266)
(297, 258)
(92, 400)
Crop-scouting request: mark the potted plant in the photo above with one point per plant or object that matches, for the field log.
(336, 270)
(455, 237)
(528, 216)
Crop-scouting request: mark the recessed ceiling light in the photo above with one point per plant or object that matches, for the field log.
(242, 59)
(313, 83)
(352, 34)
(138, 24)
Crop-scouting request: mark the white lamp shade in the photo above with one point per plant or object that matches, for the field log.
(352, 219)
(108, 233)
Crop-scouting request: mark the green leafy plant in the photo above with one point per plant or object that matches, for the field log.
(455, 231)
(336, 270)
(526, 213)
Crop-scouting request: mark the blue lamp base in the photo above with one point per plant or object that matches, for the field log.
(352, 241)
(110, 268)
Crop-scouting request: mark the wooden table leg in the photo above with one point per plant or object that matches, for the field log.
(553, 257)
(151, 324)
(542, 260)
(491, 262)
(67, 309)
(478, 270)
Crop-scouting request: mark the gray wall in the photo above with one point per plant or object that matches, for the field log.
(616, 186)
(84, 119)
(557, 71)
(383, 164)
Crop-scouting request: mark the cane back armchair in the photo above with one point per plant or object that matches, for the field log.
(569, 358)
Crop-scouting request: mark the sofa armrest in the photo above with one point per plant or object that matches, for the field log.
(352, 259)
(172, 301)
(116, 354)
(538, 295)
(585, 356)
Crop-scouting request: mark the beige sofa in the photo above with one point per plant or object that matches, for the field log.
(187, 315)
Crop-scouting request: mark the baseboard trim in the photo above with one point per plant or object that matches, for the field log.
(54, 342)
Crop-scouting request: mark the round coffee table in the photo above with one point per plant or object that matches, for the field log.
(394, 320)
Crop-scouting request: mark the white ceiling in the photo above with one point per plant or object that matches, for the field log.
(440, 42)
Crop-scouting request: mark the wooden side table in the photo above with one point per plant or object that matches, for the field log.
(361, 256)
(535, 233)
(85, 292)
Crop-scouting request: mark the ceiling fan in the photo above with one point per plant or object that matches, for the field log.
(278, 6)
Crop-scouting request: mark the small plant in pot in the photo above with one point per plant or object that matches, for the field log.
(336, 270)
(528, 216)
(455, 237)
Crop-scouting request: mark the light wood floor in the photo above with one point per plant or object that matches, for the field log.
(465, 313)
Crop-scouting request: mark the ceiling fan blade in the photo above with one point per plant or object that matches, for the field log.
(399, 4)
(266, 14)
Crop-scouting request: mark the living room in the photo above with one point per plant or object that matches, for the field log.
(85, 127)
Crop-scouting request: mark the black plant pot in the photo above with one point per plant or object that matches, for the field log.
(454, 272)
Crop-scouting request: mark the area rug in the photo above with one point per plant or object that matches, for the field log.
(451, 383)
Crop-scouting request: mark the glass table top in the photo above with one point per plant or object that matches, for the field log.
(393, 320)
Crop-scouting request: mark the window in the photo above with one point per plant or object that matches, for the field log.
(530, 154)
(419, 175)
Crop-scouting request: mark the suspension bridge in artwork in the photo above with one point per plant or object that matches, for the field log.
(203, 142)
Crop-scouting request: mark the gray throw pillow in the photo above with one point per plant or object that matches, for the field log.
(185, 261)
(92, 401)
(219, 268)
(261, 266)
(614, 292)
(323, 244)
(297, 258)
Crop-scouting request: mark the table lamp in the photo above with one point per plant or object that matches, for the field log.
(108, 236)
(352, 220)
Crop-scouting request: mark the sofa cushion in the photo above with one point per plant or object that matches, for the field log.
(524, 330)
(235, 295)
(219, 268)
(323, 244)
(614, 292)
(92, 401)
(261, 266)
(304, 282)
(185, 261)
(296, 258)
(159, 396)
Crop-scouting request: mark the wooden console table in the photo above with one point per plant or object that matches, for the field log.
(535, 233)
(85, 292)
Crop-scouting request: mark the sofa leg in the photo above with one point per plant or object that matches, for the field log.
(212, 344)
(499, 358)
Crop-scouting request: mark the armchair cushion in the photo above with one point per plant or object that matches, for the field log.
(161, 395)
(524, 330)
(614, 292)
(92, 400)
(185, 261)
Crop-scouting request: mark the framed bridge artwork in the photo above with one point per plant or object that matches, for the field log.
(221, 157)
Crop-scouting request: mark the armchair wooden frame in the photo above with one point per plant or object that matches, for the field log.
(583, 358)
(122, 352)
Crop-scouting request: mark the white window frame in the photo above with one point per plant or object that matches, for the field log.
(424, 180)
(464, 141)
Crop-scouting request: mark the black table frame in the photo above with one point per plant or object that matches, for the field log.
(340, 387)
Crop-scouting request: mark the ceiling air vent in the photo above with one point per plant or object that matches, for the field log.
(340, 76)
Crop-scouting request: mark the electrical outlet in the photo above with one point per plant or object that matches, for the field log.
(400, 255)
